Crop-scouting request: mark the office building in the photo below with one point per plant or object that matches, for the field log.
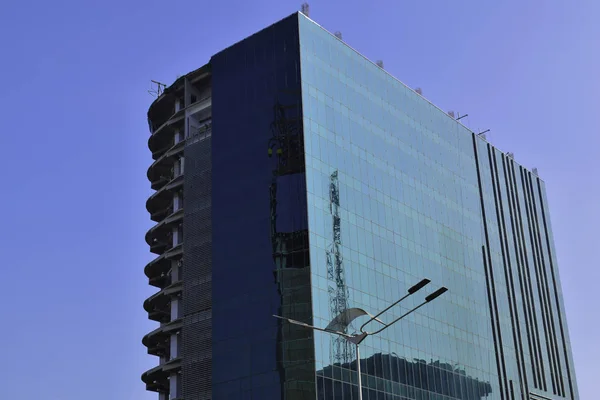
(295, 177)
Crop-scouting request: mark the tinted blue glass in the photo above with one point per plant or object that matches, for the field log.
(408, 206)
(399, 191)
(558, 306)
(260, 248)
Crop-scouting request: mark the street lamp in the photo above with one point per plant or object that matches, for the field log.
(340, 323)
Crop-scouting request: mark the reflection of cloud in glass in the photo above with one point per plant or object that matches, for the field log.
(385, 374)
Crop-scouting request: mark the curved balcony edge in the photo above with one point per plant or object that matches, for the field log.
(171, 290)
(161, 135)
(153, 269)
(157, 196)
(161, 182)
(155, 378)
(174, 217)
(171, 152)
(163, 330)
(159, 247)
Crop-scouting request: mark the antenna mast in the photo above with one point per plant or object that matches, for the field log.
(156, 88)
(305, 9)
(343, 351)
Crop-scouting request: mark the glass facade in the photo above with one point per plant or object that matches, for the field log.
(260, 228)
(399, 191)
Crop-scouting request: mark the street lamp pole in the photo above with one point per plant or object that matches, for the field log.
(358, 373)
(340, 323)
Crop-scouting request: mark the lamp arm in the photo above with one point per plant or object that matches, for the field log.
(384, 310)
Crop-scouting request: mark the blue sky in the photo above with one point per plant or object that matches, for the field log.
(73, 103)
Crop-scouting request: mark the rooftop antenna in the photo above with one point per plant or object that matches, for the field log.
(462, 116)
(338, 35)
(379, 63)
(419, 90)
(305, 9)
(156, 88)
(482, 134)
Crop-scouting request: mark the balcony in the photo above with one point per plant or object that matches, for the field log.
(161, 230)
(165, 116)
(158, 305)
(159, 246)
(164, 164)
(157, 269)
(163, 134)
(154, 339)
(162, 180)
(161, 348)
(156, 379)
(163, 198)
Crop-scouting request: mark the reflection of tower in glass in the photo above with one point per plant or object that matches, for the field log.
(343, 351)
(289, 238)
